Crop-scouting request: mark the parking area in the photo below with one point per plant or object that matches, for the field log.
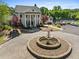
(71, 29)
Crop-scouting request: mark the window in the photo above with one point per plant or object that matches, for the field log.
(38, 16)
(20, 16)
(33, 10)
(26, 16)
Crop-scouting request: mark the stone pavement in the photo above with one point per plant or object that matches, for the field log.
(17, 47)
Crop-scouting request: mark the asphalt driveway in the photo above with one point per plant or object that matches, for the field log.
(71, 29)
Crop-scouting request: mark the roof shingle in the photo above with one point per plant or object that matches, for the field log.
(23, 9)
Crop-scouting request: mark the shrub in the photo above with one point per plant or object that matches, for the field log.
(68, 22)
(7, 27)
(58, 25)
(1, 27)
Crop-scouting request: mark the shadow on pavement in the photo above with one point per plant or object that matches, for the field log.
(29, 30)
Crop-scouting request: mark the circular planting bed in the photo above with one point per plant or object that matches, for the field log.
(40, 48)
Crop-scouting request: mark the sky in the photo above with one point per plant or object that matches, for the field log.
(65, 4)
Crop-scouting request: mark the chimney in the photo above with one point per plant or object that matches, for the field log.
(35, 5)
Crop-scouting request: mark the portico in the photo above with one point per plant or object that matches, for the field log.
(31, 20)
(30, 16)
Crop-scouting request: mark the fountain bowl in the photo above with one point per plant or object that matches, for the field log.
(48, 43)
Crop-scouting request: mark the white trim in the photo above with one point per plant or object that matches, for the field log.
(35, 20)
(39, 19)
(25, 20)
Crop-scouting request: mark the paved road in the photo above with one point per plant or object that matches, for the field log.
(17, 47)
(71, 29)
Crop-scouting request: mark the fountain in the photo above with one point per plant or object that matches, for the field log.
(49, 47)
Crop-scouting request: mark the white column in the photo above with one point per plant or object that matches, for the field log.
(35, 20)
(25, 20)
(18, 16)
(39, 19)
(30, 20)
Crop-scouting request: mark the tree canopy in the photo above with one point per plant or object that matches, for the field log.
(60, 14)
(4, 11)
(44, 10)
(57, 8)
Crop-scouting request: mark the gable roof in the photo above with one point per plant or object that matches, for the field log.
(23, 9)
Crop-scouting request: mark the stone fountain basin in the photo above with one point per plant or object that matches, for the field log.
(52, 43)
(61, 52)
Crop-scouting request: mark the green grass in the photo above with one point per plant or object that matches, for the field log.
(77, 13)
(2, 39)
(76, 23)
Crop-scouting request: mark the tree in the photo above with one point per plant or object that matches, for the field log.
(44, 18)
(60, 14)
(4, 11)
(56, 14)
(44, 10)
(57, 8)
(12, 10)
(66, 14)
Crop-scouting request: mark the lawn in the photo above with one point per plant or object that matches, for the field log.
(2, 39)
(75, 23)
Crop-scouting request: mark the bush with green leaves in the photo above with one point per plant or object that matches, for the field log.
(68, 22)
(1, 27)
(7, 27)
(58, 25)
(4, 12)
